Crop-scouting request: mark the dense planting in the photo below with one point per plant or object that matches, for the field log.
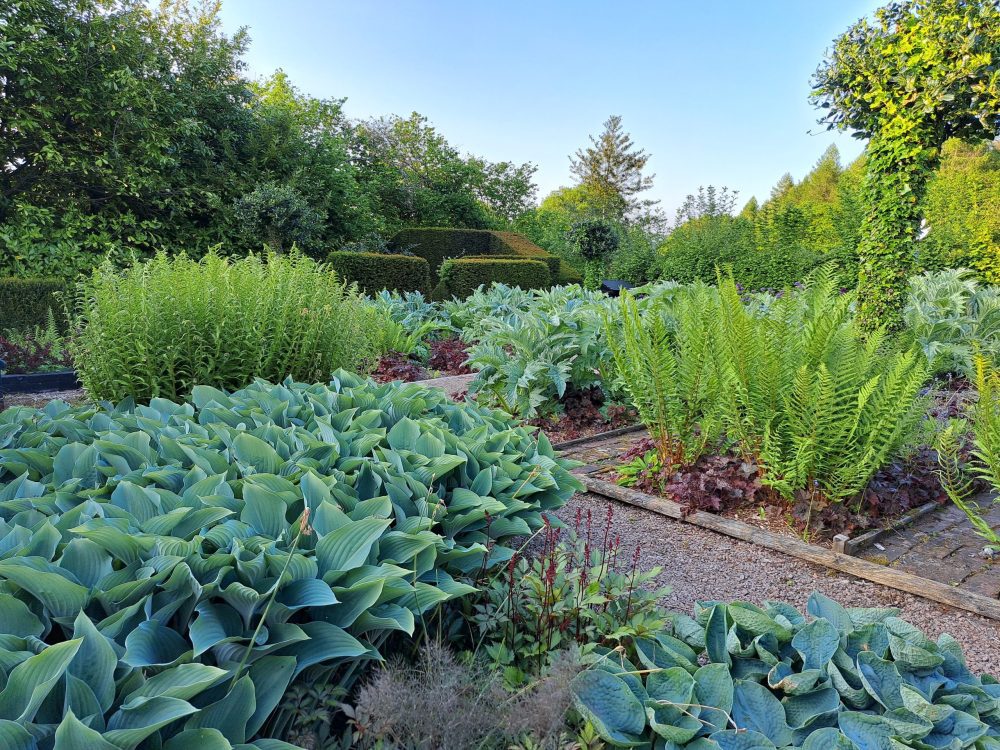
(167, 570)
(844, 679)
(159, 328)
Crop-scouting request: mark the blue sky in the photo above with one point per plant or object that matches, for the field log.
(716, 90)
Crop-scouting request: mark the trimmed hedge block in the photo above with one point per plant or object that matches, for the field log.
(439, 244)
(460, 277)
(373, 272)
(25, 303)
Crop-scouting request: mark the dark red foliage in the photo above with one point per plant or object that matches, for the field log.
(448, 356)
(714, 483)
(585, 413)
(395, 366)
(29, 355)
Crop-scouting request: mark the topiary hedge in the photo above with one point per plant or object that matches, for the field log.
(25, 303)
(373, 272)
(438, 244)
(460, 277)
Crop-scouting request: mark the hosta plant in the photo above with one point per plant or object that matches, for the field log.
(742, 677)
(167, 570)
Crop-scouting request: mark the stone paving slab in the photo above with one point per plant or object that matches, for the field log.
(944, 547)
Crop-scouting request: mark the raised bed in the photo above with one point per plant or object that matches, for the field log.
(793, 547)
(38, 382)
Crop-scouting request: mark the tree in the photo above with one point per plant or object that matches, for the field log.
(598, 241)
(611, 169)
(708, 201)
(279, 216)
(920, 72)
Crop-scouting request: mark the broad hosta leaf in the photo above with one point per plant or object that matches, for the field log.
(606, 701)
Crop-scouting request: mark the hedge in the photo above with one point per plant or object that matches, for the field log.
(438, 244)
(460, 277)
(25, 303)
(374, 272)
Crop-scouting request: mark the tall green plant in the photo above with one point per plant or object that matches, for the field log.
(664, 359)
(157, 329)
(818, 404)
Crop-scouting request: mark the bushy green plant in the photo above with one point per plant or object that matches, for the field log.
(818, 404)
(742, 677)
(950, 315)
(159, 328)
(664, 358)
(167, 570)
(25, 303)
(528, 359)
(410, 309)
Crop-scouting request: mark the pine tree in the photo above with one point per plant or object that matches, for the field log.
(611, 170)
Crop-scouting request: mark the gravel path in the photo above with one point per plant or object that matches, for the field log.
(699, 565)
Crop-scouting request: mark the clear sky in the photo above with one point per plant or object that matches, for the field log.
(715, 90)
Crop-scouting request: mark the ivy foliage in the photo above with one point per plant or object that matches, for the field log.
(920, 72)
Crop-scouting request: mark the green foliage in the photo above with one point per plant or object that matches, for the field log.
(460, 277)
(819, 405)
(159, 328)
(534, 348)
(583, 590)
(664, 359)
(438, 244)
(172, 567)
(919, 73)
(373, 272)
(742, 677)
(598, 241)
(962, 211)
(951, 316)
(25, 302)
(280, 216)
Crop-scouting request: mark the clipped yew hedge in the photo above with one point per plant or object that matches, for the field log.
(25, 303)
(440, 244)
(373, 272)
(460, 277)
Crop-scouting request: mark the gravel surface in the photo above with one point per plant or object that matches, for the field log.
(699, 565)
(43, 397)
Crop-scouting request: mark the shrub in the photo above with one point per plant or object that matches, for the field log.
(738, 676)
(950, 315)
(159, 328)
(167, 570)
(41, 349)
(438, 245)
(373, 272)
(461, 277)
(25, 303)
(280, 217)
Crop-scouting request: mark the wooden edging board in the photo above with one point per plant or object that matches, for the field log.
(858, 543)
(897, 579)
(599, 436)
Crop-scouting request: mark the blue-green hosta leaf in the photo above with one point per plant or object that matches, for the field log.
(607, 702)
(385, 617)
(86, 560)
(784, 678)
(60, 596)
(741, 740)
(866, 731)
(72, 734)
(960, 726)
(756, 708)
(202, 739)
(142, 717)
(17, 619)
(757, 621)
(254, 452)
(881, 679)
(184, 681)
(152, 644)
(713, 689)
(656, 655)
(716, 634)
(911, 656)
(816, 642)
(31, 681)
(327, 643)
(215, 624)
(805, 709)
(907, 726)
(264, 511)
(668, 707)
(306, 592)
(270, 677)
(95, 661)
(230, 714)
(350, 545)
(823, 607)
(828, 739)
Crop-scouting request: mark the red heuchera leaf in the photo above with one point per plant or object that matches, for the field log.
(448, 356)
(395, 366)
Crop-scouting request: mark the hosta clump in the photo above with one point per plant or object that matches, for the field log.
(167, 570)
(741, 677)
